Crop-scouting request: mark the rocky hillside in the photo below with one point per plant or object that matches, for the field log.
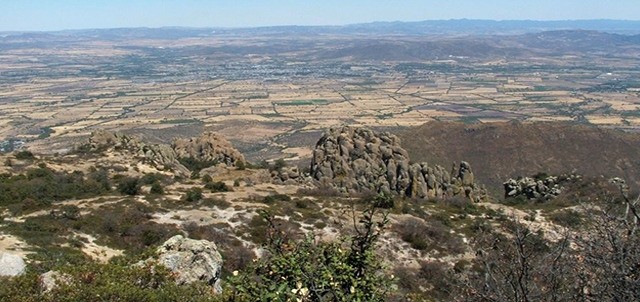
(361, 160)
(499, 151)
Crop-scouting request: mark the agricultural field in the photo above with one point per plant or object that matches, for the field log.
(258, 91)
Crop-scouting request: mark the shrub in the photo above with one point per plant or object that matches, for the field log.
(24, 155)
(106, 282)
(276, 197)
(129, 185)
(309, 270)
(156, 188)
(429, 236)
(193, 195)
(217, 186)
(241, 165)
(207, 178)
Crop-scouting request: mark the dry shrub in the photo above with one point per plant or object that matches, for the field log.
(429, 236)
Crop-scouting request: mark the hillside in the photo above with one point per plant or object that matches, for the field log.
(128, 220)
(499, 151)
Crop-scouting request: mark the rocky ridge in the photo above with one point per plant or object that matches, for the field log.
(358, 159)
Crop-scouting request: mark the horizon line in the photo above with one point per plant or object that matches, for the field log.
(323, 25)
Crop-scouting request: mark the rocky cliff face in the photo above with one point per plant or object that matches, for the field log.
(359, 159)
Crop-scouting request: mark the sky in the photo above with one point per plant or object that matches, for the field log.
(49, 15)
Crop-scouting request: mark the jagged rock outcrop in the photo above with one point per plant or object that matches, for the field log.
(208, 147)
(158, 155)
(359, 159)
(540, 188)
(192, 260)
(11, 265)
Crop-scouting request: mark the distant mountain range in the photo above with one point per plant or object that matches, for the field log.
(430, 27)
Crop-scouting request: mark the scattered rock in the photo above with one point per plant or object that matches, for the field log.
(358, 159)
(540, 188)
(192, 260)
(11, 265)
(287, 175)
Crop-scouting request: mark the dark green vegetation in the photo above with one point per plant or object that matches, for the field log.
(116, 281)
(39, 187)
(344, 270)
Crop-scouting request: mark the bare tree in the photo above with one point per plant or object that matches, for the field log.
(608, 265)
(520, 266)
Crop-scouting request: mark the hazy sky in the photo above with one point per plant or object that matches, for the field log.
(75, 14)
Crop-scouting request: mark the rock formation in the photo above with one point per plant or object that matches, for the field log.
(286, 175)
(208, 147)
(540, 188)
(11, 265)
(358, 159)
(158, 155)
(192, 260)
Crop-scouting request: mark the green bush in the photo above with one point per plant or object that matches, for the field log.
(129, 185)
(43, 185)
(24, 155)
(193, 195)
(308, 270)
(156, 188)
(217, 186)
(195, 165)
(107, 282)
(276, 197)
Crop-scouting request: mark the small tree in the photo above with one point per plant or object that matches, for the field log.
(193, 195)
(156, 188)
(129, 186)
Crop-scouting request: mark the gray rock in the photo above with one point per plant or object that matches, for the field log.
(541, 189)
(208, 147)
(369, 161)
(51, 280)
(192, 260)
(11, 265)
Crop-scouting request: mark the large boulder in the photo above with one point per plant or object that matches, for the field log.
(192, 260)
(358, 159)
(11, 265)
